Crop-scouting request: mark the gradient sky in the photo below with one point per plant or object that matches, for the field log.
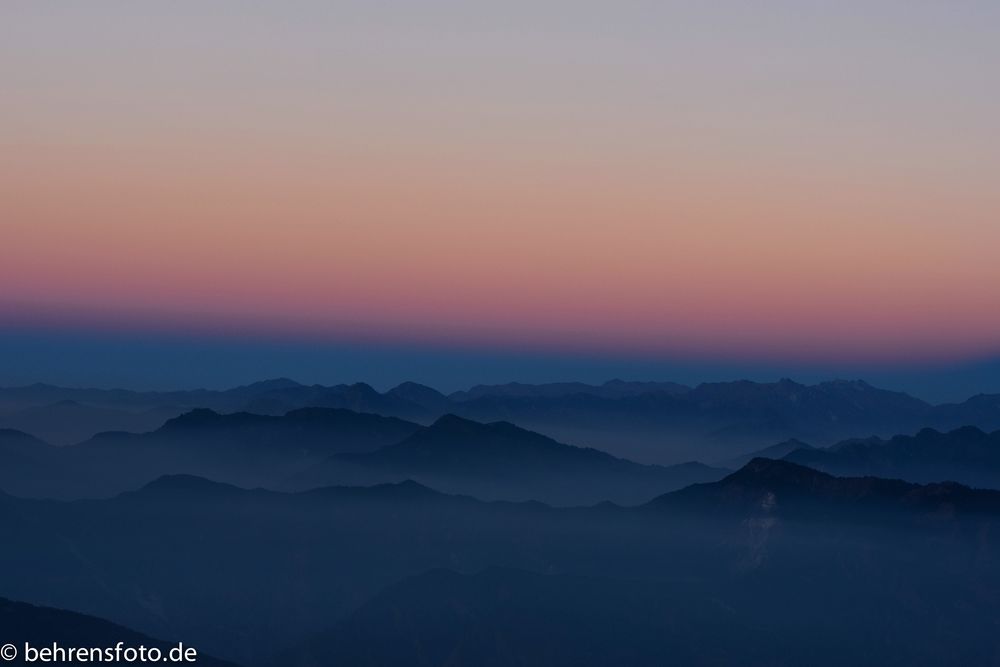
(757, 183)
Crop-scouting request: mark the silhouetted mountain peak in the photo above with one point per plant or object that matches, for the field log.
(362, 389)
(453, 423)
(778, 451)
(421, 395)
(452, 426)
(761, 471)
(415, 389)
(185, 485)
(966, 432)
(199, 417)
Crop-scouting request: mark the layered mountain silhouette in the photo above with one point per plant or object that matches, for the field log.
(41, 627)
(713, 421)
(652, 422)
(967, 455)
(243, 448)
(280, 523)
(808, 563)
(503, 461)
(313, 447)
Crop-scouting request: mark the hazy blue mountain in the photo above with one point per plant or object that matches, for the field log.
(244, 448)
(649, 422)
(815, 563)
(359, 397)
(428, 398)
(713, 421)
(778, 451)
(315, 431)
(40, 627)
(967, 455)
(610, 389)
(502, 461)
(781, 488)
(69, 422)
(14, 398)
(138, 411)
(981, 410)
(243, 573)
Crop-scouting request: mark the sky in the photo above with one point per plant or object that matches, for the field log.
(517, 190)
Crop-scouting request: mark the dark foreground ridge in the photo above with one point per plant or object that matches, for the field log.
(41, 627)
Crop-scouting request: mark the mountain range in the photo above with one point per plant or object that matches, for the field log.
(650, 422)
(807, 564)
(312, 447)
(500, 461)
(967, 455)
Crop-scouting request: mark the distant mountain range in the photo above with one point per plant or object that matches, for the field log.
(313, 447)
(967, 455)
(504, 462)
(651, 422)
(787, 564)
(242, 448)
(68, 422)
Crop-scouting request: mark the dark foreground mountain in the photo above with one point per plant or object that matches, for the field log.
(502, 461)
(41, 627)
(869, 572)
(967, 455)
(652, 422)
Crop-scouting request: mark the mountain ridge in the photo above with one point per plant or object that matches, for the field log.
(649, 422)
